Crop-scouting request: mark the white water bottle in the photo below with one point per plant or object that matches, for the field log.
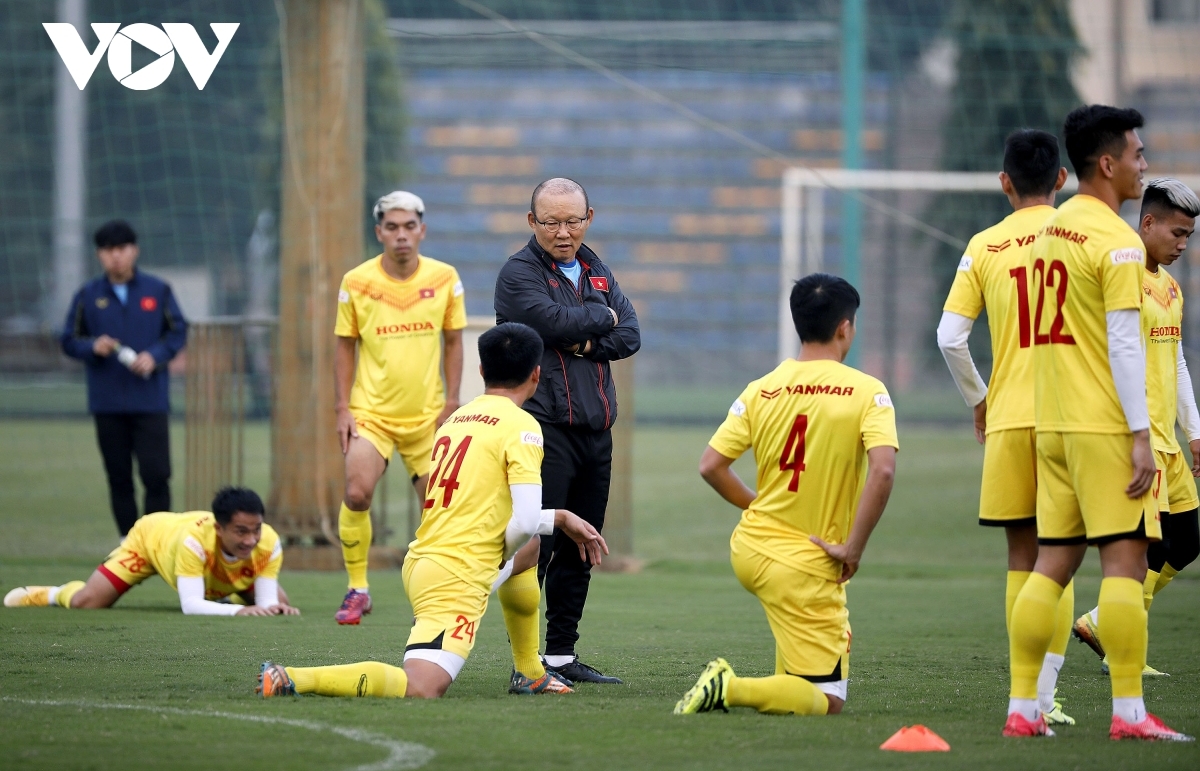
(127, 356)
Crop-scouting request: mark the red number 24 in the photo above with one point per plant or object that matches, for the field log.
(450, 463)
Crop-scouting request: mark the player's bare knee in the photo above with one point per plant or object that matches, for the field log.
(358, 495)
(424, 689)
(835, 705)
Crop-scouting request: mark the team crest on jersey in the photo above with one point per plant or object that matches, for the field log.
(149, 303)
(737, 409)
(965, 262)
(599, 283)
(771, 394)
(427, 293)
(996, 248)
(530, 437)
(1122, 256)
(883, 400)
(554, 283)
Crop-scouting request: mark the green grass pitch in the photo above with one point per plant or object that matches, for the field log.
(927, 611)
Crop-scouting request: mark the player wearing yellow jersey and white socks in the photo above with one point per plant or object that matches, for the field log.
(994, 273)
(1168, 219)
(483, 505)
(396, 313)
(1095, 464)
(824, 439)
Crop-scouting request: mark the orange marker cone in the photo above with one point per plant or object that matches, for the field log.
(915, 739)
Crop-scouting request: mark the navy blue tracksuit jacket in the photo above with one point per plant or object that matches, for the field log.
(149, 320)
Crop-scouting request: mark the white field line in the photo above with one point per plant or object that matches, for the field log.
(401, 755)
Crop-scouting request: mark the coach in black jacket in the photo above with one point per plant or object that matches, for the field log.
(560, 288)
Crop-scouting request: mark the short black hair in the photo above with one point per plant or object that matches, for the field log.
(558, 185)
(114, 233)
(230, 500)
(1166, 195)
(1031, 162)
(508, 353)
(820, 302)
(1094, 130)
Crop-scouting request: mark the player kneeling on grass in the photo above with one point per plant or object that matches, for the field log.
(816, 426)
(483, 503)
(228, 554)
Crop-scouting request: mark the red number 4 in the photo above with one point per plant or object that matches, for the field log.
(793, 452)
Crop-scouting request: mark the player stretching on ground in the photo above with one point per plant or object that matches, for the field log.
(228, 553)
(397, 310)
(817, 428)
(1169, 210)
(1095, 465)
(994, 274)
(484, 502)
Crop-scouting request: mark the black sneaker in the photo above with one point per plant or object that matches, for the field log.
(578, 672)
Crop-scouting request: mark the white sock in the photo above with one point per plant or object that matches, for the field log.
(1047, 681)
(1026, 708)
(1095, 614)
(559, 661)
(361, 589)
(53, 596)
(1131, 709)
(505, 573)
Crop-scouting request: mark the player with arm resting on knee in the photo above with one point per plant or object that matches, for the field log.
(483, 503)
(994, 274)
(824, 439)
(397, 311)
(226, 555)
(1095, 464)
(1168, 219)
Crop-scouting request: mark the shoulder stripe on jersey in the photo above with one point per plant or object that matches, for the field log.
(388, 296)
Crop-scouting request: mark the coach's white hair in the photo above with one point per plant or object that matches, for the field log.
(399, 199)
(1177, 195)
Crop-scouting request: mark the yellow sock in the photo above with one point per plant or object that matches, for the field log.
(1064, 619)
(519, 598)
(1012, 587)
(366, 678)
(67, 591)
(1123, 629)
(1150, 586)
(354, 531)
(776, 695)
(1033, 624)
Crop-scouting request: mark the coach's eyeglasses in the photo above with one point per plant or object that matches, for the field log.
(552, 226)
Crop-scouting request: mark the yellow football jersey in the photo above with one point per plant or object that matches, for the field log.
(398, 325)
(810, 424)
(186, 545)
(482, 448)
(1162, 321)
(1086, 262)
(994, 273)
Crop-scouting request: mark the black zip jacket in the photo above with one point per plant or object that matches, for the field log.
(574, 390)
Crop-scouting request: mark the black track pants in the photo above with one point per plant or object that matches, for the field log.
(121, 437)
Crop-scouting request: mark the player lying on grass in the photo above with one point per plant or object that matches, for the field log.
(483, 503)
(994, 274)
(824, 439)
(228, 554)
(1168, 219)
(1095, 464)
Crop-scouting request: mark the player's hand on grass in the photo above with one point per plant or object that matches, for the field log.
(591, 544)
(255, 610)
(1194, 446)
(1143, 465)
(283, 610)
(105, 345)
(843, 553)
(345, 428)
(981, 421)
